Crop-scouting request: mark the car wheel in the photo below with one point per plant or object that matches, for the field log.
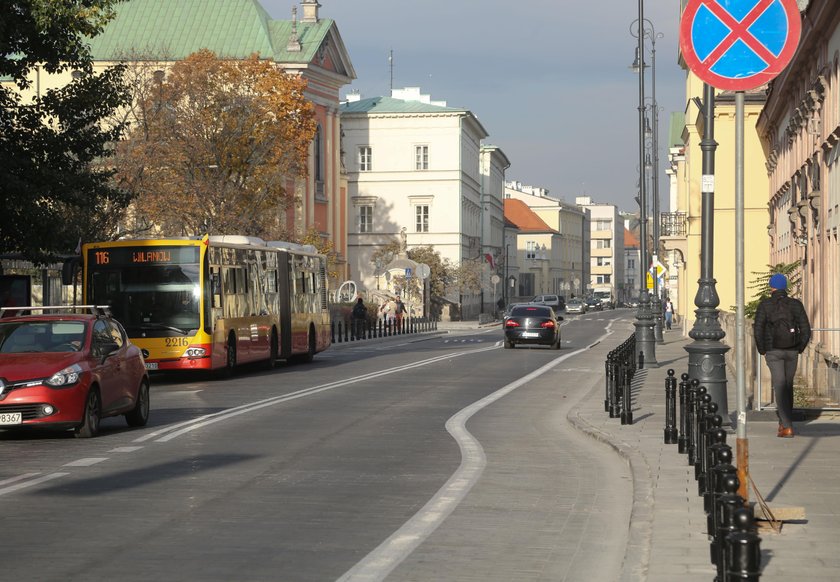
(556, 345)
(91, 416)
(139, 415)
(508, 345)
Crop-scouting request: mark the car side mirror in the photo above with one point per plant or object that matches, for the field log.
(559, 318)
(105, 349)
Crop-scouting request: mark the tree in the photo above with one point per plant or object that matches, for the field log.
(215, 145)
(54, 187)
(761, 285)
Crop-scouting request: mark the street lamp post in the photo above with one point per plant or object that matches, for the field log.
(645, 339)
(706, 354)
(652, 168)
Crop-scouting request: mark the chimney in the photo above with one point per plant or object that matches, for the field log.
(310, 10)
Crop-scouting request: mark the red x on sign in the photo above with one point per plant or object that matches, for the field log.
(739, 44)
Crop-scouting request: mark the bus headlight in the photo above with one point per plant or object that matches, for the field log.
(196, 352)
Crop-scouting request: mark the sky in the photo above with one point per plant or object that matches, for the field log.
(548, 79)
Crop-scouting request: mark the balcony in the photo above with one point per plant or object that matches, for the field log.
(672, 224)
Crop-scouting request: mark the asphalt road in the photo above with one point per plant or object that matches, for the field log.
(443, 459)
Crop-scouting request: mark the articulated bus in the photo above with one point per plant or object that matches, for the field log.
(212, 303)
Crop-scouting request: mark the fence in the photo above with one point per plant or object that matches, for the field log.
(350, 330)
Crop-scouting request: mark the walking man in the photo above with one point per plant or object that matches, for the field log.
(359, 314)
(782, 331)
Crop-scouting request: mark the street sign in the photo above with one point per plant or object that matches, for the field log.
(423, 271)
(408, 272)
(738, 45)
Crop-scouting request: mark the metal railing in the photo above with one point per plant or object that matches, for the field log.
(672, 223)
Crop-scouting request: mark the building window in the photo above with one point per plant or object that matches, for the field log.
(365, 159)
(603, 261)
(631, 263)
(421, 212)
(603, 224)
(603, 244)
(603, 279)
(531, 250)
(365, 218)
(421, 157)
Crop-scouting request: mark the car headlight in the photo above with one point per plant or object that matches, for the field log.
(66, 377)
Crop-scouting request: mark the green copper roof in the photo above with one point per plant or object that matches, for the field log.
(173, 29)
(391, 105)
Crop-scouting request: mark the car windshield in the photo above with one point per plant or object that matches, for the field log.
(17, 337)
(531, 311)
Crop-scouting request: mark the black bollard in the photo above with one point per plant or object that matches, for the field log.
(346, 331)
(717, 442)
(713, 422)
(626, 397)
(697, 393)
(724, 522)
(682, 441)
(700, 419)
(339, 332)
(332, 332)
(670, 409)
(742, 549)
(608, 378)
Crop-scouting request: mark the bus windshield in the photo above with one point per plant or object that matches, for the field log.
(151, 299)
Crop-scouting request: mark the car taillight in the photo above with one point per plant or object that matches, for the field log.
(511, 323)
(547, 324)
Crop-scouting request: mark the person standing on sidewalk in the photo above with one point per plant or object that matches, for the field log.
(782, 331)
(669, 313)
(359, 318)
(399, 312)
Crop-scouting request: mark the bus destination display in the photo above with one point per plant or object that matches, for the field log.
(143, 256)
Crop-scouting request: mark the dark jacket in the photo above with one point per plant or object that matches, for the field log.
(763, 331)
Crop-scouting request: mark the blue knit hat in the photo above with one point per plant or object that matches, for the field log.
(778, 281)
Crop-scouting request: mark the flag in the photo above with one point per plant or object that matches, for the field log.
(489, 258)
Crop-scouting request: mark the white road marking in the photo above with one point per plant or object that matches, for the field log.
(125, 449)
(168, 433)
(390, 553)
(85, 462)
(18, 478)
(26, 484)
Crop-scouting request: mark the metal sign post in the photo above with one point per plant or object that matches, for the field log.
(739, 46)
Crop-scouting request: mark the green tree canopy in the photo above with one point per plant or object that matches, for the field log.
(54, 188)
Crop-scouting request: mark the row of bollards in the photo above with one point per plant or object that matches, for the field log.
(356, 330)
(620, 369)
(735, 545)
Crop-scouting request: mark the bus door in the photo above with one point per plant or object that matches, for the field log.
(284, 277)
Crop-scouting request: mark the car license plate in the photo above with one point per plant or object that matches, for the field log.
(11, 418)
(151, 365)
(530, 334)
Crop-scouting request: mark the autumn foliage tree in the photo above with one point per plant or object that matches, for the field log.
(215, 146)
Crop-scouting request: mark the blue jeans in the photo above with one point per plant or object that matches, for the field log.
(782, 364)
(669, 318)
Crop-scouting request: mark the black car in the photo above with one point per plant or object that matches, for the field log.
(532, 324)
(593, 304)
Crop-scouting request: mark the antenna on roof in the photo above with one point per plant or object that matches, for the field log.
(391, 67)
(294, 44)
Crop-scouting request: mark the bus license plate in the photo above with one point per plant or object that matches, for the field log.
(11, 418)
(151, 365)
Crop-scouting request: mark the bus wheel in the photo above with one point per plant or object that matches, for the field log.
(273, 351)
(310, 355)
(230, 362)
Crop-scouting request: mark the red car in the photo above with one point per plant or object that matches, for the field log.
(68, 371)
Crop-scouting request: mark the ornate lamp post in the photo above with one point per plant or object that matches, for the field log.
(706, 354)
(645, 339)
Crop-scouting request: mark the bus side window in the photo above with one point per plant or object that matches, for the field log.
(216, 286)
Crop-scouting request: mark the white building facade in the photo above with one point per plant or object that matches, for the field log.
(416, 165)
(606, 250)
